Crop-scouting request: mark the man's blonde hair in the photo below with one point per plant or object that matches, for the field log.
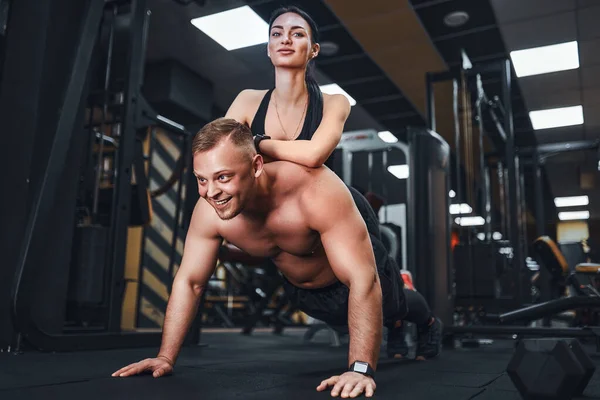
(214, 132)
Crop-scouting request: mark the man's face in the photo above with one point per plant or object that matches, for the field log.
(226, 178)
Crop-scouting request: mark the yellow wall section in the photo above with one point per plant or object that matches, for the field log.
(392, 34)
(572, 231)
(132, 267)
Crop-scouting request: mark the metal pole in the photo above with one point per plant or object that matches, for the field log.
(502, 195)
(430, 102)
(539, 196)
(458, 190)
(522, 209)
(485, 195)
(540, 224)
(125, 156)
(512, 180)
(524, 331)
(100, 166)
(176, 224)
(488, 204)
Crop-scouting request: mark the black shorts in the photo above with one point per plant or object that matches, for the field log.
(330, 304)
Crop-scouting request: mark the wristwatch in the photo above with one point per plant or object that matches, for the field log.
(362, 368)
(258, 139)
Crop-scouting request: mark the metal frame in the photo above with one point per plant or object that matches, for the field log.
(537, 156)
(502, 137)
(368, 140)
(41, 210)
(125, 156)
(512, 188)
(136, 114)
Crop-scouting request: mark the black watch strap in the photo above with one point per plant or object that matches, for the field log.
(258, 139)
(362, 368)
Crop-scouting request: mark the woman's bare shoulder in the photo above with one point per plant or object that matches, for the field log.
(252, 95)
(335, 100)
(245, 104)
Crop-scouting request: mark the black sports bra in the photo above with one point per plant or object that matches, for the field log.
(314, 115)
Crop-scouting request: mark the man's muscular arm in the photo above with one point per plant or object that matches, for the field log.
(198, 264)
(330, 210)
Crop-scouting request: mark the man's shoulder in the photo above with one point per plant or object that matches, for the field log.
(297, 174)
(204, 221)
(307, 183)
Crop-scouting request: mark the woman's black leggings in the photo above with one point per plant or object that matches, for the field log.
(418, 309)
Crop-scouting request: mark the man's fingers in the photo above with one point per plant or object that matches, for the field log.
(158, 373)
(136, 369)
(358, 389)
(370, 390)
(338, 387)
(348, 387)
(132, 371)
(124, 369)
(327, 382)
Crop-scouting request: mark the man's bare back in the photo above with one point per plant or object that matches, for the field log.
(281, 232)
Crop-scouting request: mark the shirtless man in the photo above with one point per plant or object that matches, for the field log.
(306, 221)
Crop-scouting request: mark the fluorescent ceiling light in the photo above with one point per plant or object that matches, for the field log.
(470, 221)
(496, 236)
(387, 137)
(545, 59)
(452, 194)
(573, 215)
(571, 201)
(399, 171)
(556, 117)
(334, 88)
(225, 27)
(460, 209)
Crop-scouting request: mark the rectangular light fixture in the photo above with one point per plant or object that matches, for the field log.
(573, 215)
(545, 59)
(460, 209)
(556, 117)
(334, 88)
(399, 171)
(387, 137)
(572, 201)
(235, 28)
(470, 221)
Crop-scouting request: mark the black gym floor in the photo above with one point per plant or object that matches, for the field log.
(261, 366)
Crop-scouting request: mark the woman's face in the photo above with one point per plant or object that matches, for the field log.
(290, 43)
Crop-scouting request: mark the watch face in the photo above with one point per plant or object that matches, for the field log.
(360, 367)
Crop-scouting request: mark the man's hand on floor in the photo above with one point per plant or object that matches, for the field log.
(349, 384)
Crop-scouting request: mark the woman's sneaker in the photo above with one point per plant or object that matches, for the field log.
(429, 341)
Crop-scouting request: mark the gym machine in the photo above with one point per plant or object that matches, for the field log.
(498, 115)
(97, 241)
(362, 160)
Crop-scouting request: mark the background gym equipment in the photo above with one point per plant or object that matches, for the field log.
(72, 283)
(363, 160)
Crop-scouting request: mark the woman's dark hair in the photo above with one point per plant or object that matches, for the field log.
(315, 97)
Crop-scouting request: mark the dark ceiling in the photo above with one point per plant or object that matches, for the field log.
(494, 28)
